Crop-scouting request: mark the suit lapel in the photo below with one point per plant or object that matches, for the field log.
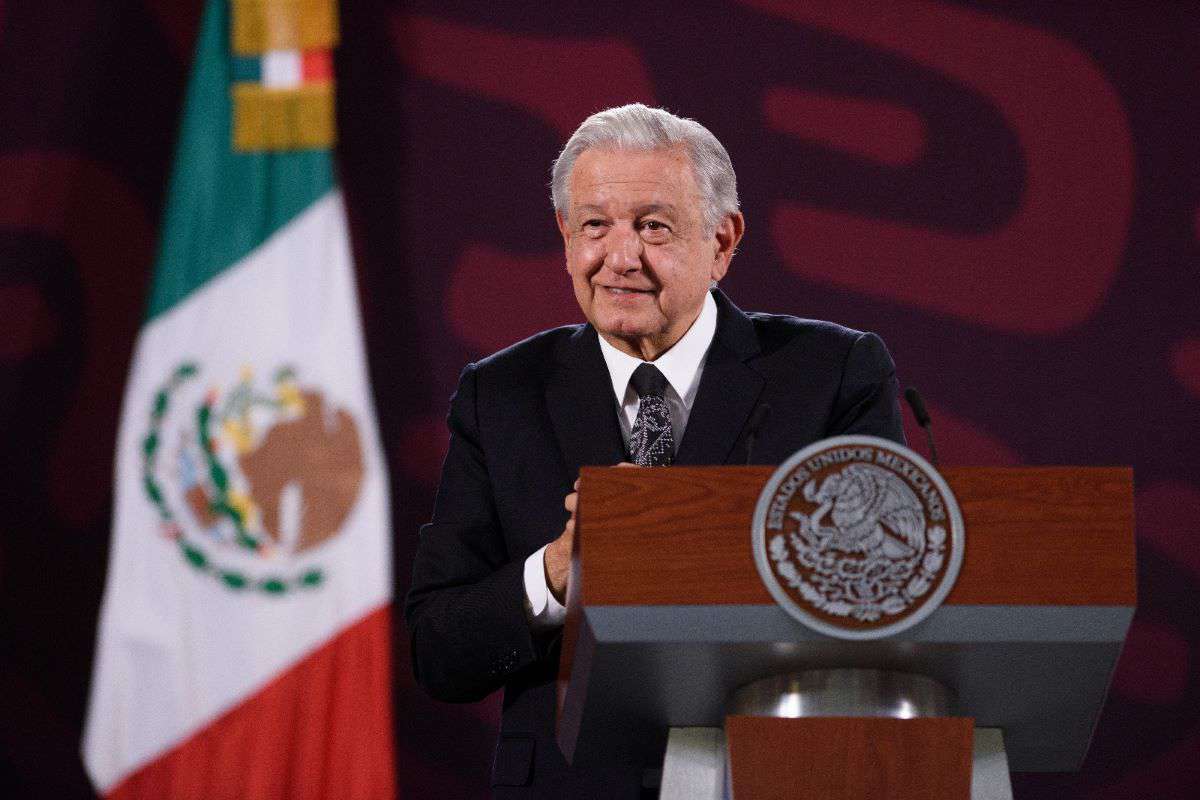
(728, 390)
(582, 408)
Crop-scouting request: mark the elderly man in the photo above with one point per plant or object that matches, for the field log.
(666, 370)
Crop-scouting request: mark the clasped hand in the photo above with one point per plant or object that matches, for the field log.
(557, 556)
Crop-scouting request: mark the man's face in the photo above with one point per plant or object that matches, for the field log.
(639, 257)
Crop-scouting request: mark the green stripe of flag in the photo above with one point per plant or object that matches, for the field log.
(221, 204)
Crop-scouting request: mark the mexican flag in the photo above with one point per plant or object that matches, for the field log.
(243, 647)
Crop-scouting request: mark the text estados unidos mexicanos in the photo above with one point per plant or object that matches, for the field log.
(915, 477)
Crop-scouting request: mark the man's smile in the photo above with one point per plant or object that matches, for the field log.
(625, 291)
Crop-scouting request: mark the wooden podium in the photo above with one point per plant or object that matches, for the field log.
(668, 618)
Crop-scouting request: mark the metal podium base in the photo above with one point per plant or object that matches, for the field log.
(843, 693)
(695, 766)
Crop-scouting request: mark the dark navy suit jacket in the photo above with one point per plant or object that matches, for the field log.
(522, 423)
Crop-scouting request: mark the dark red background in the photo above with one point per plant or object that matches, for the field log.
(1007, 193)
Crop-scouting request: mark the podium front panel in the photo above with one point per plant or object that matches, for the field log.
(668, 616)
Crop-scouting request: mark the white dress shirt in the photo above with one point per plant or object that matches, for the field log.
(682, 366)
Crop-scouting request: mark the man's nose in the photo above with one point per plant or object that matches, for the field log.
(624, 251)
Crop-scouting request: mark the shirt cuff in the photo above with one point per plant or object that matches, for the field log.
(544, 612)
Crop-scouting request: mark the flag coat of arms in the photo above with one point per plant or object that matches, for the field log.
(243, 645)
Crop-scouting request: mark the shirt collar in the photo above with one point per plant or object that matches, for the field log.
(680, 365)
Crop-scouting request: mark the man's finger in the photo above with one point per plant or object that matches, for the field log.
(571, 501)
(626, 464)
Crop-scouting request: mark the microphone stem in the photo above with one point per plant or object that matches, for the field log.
(932, 446)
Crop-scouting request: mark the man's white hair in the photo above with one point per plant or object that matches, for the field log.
(639, 127)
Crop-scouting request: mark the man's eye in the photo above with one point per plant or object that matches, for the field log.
(654, 225)
(593, 223)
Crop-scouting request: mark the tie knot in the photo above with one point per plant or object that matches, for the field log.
(647, 380)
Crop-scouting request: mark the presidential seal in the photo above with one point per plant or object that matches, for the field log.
(857, 537)
(251, 479)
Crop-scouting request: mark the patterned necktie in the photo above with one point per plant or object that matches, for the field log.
(651, 443)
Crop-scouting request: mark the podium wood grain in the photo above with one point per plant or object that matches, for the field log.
(681, 536)
(850, 758)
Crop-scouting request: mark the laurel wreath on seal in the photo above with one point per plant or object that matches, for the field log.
(827, 596)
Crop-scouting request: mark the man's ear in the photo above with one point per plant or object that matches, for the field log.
(562, 229)
(728, 233)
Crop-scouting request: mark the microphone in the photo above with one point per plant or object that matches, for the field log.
(757, 419)
(918, 408)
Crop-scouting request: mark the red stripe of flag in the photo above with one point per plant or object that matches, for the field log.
(321, 729)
